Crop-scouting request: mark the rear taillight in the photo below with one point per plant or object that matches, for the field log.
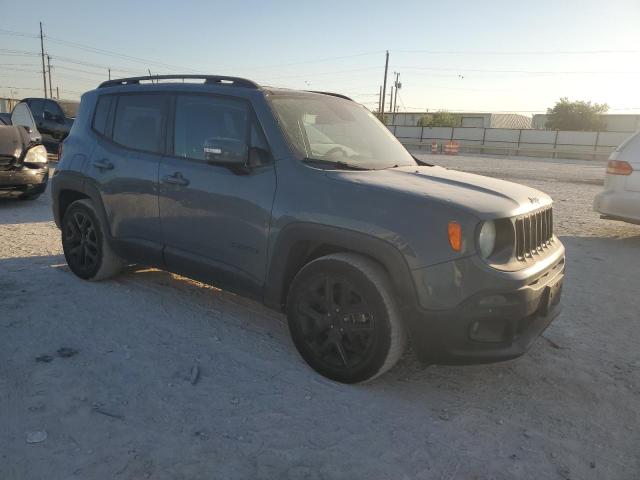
(59, 151)
(618, 167)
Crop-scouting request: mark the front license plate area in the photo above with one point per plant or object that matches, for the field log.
(550, 297)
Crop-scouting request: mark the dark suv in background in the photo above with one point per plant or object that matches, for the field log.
(54, 119)
(306, 202)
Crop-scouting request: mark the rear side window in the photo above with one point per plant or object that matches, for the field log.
(140, 122)
(203, 123)
(101, 117)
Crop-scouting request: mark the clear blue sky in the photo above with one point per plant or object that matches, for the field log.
(298, 44)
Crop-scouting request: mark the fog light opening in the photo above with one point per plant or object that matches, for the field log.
(490, 331)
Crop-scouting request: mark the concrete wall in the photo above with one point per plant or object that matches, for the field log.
(546, 143)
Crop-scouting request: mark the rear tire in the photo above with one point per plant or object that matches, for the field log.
(85, 245)
(344, 319)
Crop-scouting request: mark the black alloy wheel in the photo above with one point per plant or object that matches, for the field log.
(81, 243)
(343, 318)
(337, 322)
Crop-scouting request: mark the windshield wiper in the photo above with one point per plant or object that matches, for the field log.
(334, 163)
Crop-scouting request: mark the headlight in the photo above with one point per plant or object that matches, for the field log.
(487, 239)
(37, 154)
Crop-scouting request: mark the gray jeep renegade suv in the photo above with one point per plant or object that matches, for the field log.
(304, 201)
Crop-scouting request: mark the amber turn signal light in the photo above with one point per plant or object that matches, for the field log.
(455, 236)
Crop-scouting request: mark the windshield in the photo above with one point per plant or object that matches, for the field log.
(332, 129)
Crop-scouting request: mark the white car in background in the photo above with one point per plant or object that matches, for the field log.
(620, 199)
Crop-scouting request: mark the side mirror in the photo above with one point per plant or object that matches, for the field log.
(258, 156)
(226, 152)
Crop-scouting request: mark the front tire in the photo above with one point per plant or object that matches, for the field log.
(85, 245)
(344, 319)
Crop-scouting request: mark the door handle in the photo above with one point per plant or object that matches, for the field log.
(176, 179)
(103, 164)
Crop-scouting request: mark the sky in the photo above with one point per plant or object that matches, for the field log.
(497, 56)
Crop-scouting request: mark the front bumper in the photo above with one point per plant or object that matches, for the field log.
(618, 205)
(495, 323)
(25, 181)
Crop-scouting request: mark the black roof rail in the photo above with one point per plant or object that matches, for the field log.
(339, 95)
(215, 79)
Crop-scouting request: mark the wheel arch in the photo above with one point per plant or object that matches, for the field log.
(66, 189)
(300, 243)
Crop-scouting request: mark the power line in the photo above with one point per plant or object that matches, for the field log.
(519, 52)
(544, 72)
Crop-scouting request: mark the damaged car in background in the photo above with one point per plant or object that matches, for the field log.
(24, 169)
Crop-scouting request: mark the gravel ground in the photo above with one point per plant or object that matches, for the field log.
(125, 407)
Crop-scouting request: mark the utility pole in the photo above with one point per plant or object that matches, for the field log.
(57, 93)
(109, 74)
(44, 75)
(384, 87)
(49, 69)
(397, 84)
(379, 98)
(391, 100)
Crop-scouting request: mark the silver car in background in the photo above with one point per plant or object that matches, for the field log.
(620, 199)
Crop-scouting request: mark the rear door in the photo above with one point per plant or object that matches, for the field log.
(215, 220)
(131, 132)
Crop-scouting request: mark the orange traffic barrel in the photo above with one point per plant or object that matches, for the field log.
(451, 148)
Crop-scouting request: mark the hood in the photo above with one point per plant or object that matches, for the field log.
(12, 141)
(485, 197)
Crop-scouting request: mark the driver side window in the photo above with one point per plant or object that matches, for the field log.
(204, 124)
(52, 111)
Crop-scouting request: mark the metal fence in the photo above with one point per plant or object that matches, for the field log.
(543, 143)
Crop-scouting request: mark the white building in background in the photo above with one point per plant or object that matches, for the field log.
(467, 119)
(614, 122)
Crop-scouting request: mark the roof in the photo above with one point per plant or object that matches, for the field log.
(219, 80)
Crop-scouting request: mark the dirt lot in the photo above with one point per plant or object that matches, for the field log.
(124, 406)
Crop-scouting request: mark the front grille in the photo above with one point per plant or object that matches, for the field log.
(534, 233)
(6, 162)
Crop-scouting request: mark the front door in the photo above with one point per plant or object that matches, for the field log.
(215, 220)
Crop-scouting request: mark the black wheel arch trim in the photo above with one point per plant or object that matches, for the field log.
(77, 183)
(299, 243)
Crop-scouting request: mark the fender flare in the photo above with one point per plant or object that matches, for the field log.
(77, 183)
(300, 242)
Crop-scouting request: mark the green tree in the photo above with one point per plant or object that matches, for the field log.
(439, 119)
(578, 115)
